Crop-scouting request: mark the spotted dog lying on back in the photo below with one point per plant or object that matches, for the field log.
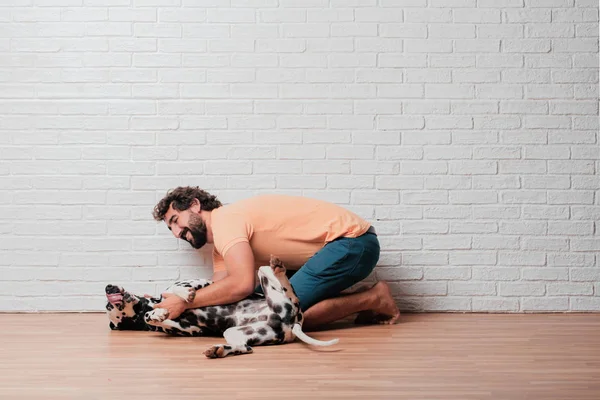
(274, 318)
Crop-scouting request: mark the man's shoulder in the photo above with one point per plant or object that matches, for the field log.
(260, 200)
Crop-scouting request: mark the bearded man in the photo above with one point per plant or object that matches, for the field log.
(325, 247)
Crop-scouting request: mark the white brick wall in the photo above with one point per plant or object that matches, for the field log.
(465, 130)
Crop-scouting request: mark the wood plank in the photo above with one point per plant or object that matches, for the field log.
(425, 356)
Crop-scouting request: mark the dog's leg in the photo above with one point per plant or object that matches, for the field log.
(174, 328)
(241, 338)
(284, 303)
(156, 316)
(187, 289)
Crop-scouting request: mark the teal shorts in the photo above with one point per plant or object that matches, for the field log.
(340, 264)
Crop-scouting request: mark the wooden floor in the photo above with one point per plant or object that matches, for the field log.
(425, 356)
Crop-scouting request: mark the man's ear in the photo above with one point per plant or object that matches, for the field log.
(196, 206)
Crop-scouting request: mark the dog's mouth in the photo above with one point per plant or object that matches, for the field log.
(115, 297)
(114, 294)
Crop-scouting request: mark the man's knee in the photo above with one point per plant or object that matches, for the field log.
(339, 265)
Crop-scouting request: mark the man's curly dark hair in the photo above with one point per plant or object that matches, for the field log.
(181, 197)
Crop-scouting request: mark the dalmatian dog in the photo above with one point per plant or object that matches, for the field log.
(269, 319)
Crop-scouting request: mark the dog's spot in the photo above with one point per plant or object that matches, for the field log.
(248, 331)
(277, 308)
(289, 316)
(253, 341)
(280, 336)
(184, 323)
(299, 317)
(274, 322)
(262, 317)
(264, 281)
(262, 331)
(227, 310)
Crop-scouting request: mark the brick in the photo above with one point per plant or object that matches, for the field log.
(492, 242)
(404, 122)
(472, 288)
(571, 260)
(500, 3)
(451, 60)
(501, 182)
(398, 274)
(474, 258)
(420, 288)
(476, 76)
(586, 30)
(434, 303)
(545, 274)
(500, 31)
(499, 60)
(553, 30)
(473, 107)
(567, 197)
(545, 212)
(477, 45)
(585, 303)
(521, 289)
(495, 304)
(528, 15)
(447, 152)
(526, 46)
(428, 197)
(451, 31)
(497, 91)
(403, 30)
(475, 15)
(545, 304)
(575, 45)
(428, 46)
(589, 274)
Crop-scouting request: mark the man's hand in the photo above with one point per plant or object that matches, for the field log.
(175, 305)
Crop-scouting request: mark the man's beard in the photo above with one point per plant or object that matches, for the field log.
(198, 230)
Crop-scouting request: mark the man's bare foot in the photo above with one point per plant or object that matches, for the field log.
(385, 310)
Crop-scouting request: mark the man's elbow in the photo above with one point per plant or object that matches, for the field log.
(243, 290)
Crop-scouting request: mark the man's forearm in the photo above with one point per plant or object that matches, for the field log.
(224, 291)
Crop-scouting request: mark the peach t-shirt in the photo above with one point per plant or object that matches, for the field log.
(292, 228)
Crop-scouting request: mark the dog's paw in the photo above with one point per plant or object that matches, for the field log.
(217, 351)
(156, 316)
(223, 350)
(186, 293)
(277, 265)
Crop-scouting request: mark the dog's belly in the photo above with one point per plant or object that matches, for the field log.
(220, 318)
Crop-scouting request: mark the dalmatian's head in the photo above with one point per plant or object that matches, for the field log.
(125, 310)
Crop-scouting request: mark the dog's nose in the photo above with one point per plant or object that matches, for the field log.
(112, 289)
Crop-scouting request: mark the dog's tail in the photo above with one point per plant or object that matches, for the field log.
(297, 330)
